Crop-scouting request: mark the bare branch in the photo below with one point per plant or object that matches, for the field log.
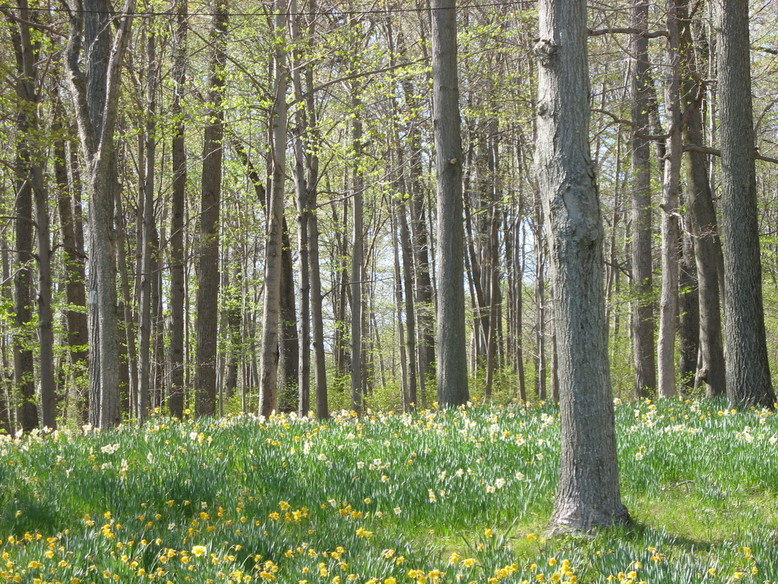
(649, 34)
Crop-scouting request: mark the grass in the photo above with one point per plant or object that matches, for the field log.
(434, 497)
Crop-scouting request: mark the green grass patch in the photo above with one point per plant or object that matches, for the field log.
(430, 498)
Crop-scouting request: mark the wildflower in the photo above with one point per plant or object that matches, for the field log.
(199, 551)
(362, 532)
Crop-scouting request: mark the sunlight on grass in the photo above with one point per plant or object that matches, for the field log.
(430, 498)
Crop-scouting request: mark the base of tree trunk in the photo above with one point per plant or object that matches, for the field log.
(572, 518)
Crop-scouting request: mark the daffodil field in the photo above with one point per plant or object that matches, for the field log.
(434, 497)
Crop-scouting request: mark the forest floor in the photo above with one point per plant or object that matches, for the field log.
(433, 497)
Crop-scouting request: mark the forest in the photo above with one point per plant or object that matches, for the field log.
(221, 207)
(383, 291)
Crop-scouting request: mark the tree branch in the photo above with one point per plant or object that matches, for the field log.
(649, 34)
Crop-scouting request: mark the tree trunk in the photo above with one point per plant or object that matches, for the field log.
(147, 233)
(289, 361)
(75, 293)
(588, 494)
(177, 255)
(451, 339)
(95, 94)
(689, 313)
(268, 395)
(357, 258)
(668, 303)
(702, 215)
(208, 273)
(748, 372)
(24, 369)
(642, 269)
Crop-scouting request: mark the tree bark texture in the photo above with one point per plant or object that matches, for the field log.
(643, 323)
(176, 244)
(748, 373)
(208, 273)
(588, 493)
(95, 94)
(268, 390)
(451, 339)
(702, 216)
(671, 186)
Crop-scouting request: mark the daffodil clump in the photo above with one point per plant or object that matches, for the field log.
(434, 497)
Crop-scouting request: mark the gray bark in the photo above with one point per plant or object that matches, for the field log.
(668, 302)
(71, 226)
(208, 273)
(148, 234)
(268, 391)
(95, 94)
(642, 269)
(702, 219)
(451, 340)
(588, 493)
(748, 373)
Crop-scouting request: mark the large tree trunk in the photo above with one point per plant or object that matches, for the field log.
(451, 338)
(268, 391)
(95, 93)
(208, 273)
(177, 271)
(588, 494)
(748, 372)
(642, 269)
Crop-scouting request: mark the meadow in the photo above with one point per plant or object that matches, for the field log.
(433, 497)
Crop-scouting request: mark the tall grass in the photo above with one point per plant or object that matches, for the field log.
(434, 497)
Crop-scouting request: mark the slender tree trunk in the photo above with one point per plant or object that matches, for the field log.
(24, 369)
(7, 390)
(289, 361)
(748, 372)
(588, 493)
(642, 269)
(668, 304)
(177, 255)
(702, 217)
(147, 233)
(689, 317)
(208, 273)
(302, 187)
(129, 373)
(75, 293)
(451, 339)
(268, 396)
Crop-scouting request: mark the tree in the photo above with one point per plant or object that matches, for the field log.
(701, 213)
(452, 357)
(268, 395)
(748, 373)
(95, 94)
(177, 272)
(642, 272)
(588, 494)
(208, 275)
